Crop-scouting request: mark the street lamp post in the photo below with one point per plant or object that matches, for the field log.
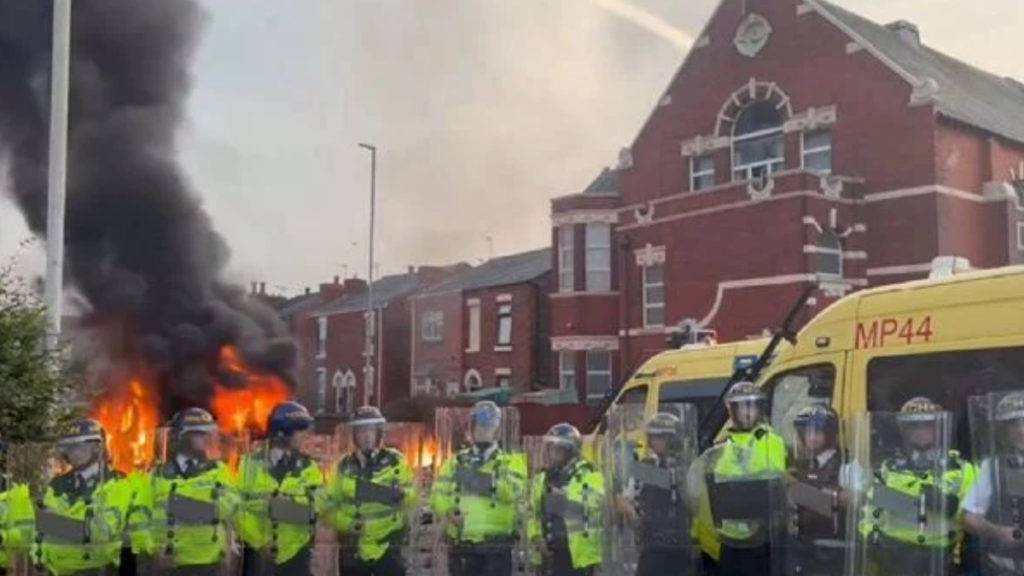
(57, 176)
(369, 374)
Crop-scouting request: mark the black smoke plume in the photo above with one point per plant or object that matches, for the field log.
(141, 250)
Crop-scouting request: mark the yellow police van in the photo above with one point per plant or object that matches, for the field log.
(945, 338)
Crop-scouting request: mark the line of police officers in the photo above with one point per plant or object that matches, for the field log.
(898, 503)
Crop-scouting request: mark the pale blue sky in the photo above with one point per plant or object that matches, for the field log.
(482, 109)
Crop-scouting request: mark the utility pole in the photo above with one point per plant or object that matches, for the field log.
(57, 178)
(369, 374)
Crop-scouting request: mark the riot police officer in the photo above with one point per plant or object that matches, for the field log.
(743, 474)
(567, 505)
(16, 514)
(476, 496)
(278, 486)
(80, 519)
(370, 501)
(994, 506)
(817, 526)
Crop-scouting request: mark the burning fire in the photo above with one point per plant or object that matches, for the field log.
(129, 414)
(240, 410)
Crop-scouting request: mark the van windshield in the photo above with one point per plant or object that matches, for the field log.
(703, 393)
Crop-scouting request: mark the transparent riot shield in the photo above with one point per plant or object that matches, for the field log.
(280, 486)
(193, 503)
(995, 504)
(477, 501)
(742, 482)
(904, 497)
(372, 504)
(71, 508)
(647, 470)
(815, 528)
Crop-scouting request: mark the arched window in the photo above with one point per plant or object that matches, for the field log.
(830, 255)
(473, 381)
(758, 146)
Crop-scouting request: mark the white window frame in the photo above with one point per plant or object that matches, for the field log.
(772, 165)
(321, 337)
(1020, 236)
(822, 250)
(503, 323)
(648, 306)
(696, 175)
(472, 374)
(805, 152)
(592, 249)
(591, 395)
(567, 258)
(567, 360)
(432, 326)
(473, 338)
(321, 390)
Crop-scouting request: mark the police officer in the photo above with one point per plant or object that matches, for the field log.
(16, 514)
(994, 506)
(751, 450)
(658, 504)
(278, 487)
(193, 499)
(80, 519)
(370, 501)
(817, 525)
(567, 504)
(923, 471)
(476, 496)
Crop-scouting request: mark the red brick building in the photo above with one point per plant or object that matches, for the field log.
(484, 328)
(799, 144)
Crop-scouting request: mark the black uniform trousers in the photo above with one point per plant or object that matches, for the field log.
(256, 564)
(390, 564)
(756, 561)
(559, 563)
(657, 561)
(484, 559)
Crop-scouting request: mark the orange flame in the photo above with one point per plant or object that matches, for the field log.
(129, 414)
(241, 410)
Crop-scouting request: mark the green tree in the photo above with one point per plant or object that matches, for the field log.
(35, 383)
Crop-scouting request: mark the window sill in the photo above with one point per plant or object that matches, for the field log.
(471, 350)
(502, 348)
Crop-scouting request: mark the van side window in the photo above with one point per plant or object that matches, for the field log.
(793, 390)
(947, 378)
(636, 396)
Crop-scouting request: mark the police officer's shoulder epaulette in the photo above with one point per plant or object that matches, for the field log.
(391, 456)
(760, 432)
(954, 460)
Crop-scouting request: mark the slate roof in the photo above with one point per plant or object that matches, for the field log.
(502, 271)
(965, 93)
(384, 290)
(607, 182)
(298, 304)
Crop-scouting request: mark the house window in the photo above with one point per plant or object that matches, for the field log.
(599, 256)
(504, 325)
(567, 369)
(599, 374)
(474, 327)
(702, 172)
(432, 326)
(321, 337)
(830, 255)
(1020, 235)
(566, 258)
(473, 381)
(758, 144)
(817, 151)
(321, 390)
(654, 295)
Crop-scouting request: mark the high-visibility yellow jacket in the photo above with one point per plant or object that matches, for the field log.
(296, 477)
(17, 520)
(191, 544)
(486, 514)
(102, 509)
(584, 518)
(371, 500)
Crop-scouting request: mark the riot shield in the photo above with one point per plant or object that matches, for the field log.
(995, 504)
(815, 528)
(371, 501)
(741, 481)
(194, 500)
(647, 472)
(72, 507)
(903, 502)
(280, 486)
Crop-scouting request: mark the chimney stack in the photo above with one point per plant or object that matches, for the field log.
(337, 279)
(263, 288)
(307, 290)
(908, 32)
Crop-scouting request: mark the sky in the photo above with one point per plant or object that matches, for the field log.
(482, 111)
